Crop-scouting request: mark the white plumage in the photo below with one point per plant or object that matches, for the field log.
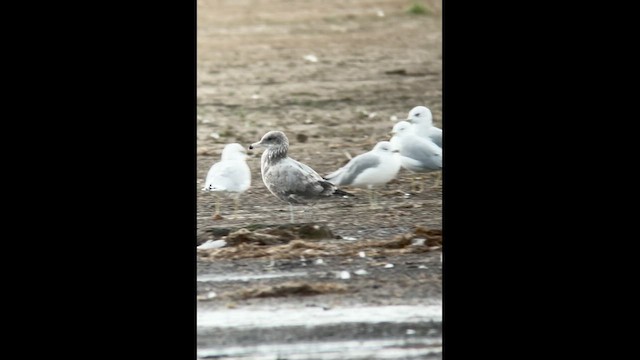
(417, 154)
(373, 168)
(421, 121)
(231, 176)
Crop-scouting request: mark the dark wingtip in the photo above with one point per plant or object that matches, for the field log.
(339, 192)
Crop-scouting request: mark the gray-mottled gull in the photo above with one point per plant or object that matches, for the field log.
(417, 154)
(231, 176)
(374, 168)
(289, 180)
(421, 120)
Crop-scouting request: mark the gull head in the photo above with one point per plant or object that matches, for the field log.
(384, 146)
(271, 140)
(401, 127)
(234, 151)
(420, 114)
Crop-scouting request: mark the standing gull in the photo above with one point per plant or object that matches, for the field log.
(230, 176)
(288, 179)
(421, 120)
(417, 154)
(374, 168)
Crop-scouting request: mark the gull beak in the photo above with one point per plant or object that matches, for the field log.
(252, 146)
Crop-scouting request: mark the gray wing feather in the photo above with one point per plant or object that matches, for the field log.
(294, 182)
(355, 167)
(427, 153)
(435, 134)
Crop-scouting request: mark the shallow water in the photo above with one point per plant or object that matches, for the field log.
(248, 277)
(316, 316)
(399, 348)
(274, 332)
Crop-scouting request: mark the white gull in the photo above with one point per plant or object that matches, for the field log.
(373, 168)
(231, 176)
(421, 120)
(417, 154)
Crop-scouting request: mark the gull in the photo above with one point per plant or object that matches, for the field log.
(374, 168)
(421, 120)
(289, 180)
(231, 176)
(417, 154)
(212, 244)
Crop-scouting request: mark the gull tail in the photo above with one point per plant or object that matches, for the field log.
(330, 189)
(212, 188)
(341, 193)
(334, 177)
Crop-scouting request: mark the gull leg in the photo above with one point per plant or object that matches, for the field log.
(216, 214)
(236, 201)
(291, 211)
(373, 201)
(438, 179)
(309, 210)
(416, 186)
